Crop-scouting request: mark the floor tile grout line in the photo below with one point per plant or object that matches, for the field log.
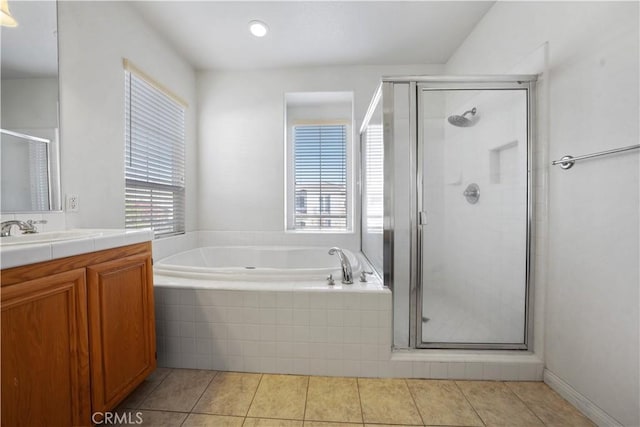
(558, 396)
(172, 370)
(246, 414)
(270, 417)
(523, 402)
(406, 384)
(138, 406)
(306, 396)
(173, 412)
(229, 415)
(475, 411)
(203, 392)
(335, 421)
(360, 399)
(166, 410)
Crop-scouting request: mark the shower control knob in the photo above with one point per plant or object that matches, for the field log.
(472, 193)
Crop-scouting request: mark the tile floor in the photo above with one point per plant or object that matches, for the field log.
(188, 398)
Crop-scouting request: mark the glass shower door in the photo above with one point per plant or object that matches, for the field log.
(473, 216)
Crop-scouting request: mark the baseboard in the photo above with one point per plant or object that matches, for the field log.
(584, 405)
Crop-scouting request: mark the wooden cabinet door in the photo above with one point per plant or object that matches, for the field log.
(45, 360)
(122, 341)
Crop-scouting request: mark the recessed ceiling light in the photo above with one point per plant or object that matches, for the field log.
(258, 28)
(6, 19)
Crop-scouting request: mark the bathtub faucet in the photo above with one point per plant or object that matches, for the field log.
(347, 276)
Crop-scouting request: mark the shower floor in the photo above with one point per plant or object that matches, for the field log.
(448, 319)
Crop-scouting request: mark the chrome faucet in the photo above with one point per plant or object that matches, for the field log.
(27, 227)
(347, 276)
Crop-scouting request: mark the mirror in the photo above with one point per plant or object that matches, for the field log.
(29, 152)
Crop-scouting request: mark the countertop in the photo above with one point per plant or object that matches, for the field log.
(15, 255)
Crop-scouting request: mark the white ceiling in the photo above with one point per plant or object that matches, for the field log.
(214, 35)
(31, 48)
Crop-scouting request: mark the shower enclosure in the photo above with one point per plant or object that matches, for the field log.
(447, 207)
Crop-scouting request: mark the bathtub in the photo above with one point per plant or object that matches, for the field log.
(270, 309)
(258, 264)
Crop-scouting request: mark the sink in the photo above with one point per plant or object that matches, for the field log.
(47, 237)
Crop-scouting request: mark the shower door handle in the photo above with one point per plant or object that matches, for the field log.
(422, 218)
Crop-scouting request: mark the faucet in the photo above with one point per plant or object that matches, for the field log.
(27, 227)
(347, 277)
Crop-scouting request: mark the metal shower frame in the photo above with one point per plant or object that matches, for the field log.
(416, 85)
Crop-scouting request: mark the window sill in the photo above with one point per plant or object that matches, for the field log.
(289, 231)
(162, 236)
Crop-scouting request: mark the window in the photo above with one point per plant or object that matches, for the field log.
(318, 178)
(373, 185)
(301, 202)
(320, 174)
(154, 156)
(325, 204)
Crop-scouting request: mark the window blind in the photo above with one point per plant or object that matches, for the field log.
(154, 158)
(374, 179)
(320, 177)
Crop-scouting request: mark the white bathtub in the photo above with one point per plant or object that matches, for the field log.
(257, 264)
(278, 316)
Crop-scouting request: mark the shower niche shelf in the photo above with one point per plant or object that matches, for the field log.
(501, 159)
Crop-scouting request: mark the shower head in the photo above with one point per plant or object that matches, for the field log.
(463, 121)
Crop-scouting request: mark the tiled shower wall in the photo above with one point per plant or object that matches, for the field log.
(314, 332)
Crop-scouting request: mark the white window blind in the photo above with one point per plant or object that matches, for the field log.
(374, 179)
(320, 177)
(154, 158)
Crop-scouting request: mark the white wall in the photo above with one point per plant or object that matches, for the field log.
(591, 307)
(241, 142)
(30, 103)
(94, 38)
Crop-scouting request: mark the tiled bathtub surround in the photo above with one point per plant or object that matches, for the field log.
(317, 330)
(306, 331)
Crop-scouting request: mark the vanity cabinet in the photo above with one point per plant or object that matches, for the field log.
(78, 335)
(121, 334)
(45, 363)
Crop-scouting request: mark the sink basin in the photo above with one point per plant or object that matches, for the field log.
(47, 237)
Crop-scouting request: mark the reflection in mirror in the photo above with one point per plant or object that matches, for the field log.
(29, 144)
(25, 165)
